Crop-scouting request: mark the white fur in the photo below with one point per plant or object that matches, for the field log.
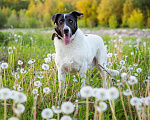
(82, 53)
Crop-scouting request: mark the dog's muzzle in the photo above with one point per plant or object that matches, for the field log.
(66, 36)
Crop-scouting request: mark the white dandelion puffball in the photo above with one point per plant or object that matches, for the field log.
(102, 107)
(135, 101)
(20, 62)
(12, 94)
(124, 76)
(45, 66)
(20, 97)
(53, 56)
(47, 113)
(67, 107)
(94, 92)
(132, 80)
(49, 55)
(112, 93)
(127, 93)
(109, 64)
(20, 109)
(147, 101)
(37, 83)
(5, 93)
(138, 70)
(86, 91)
(56, 109)
(31, 61)
(65, 117)
(122, 62)
(23, 71)
(101, 94)
(47, 60)
(13, 118)
(4, 65)
(46, 90)
(109, 55)
(35, 91)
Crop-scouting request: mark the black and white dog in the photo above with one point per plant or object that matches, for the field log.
(76, 51)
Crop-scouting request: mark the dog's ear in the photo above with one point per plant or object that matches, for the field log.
(76, 14)
(55, 17)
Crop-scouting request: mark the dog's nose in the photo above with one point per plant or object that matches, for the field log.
(66, 31)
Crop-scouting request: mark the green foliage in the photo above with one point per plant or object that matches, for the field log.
(136, 19)
(13, 20)
(23, 19)
(2, 19)
(127, 10)
(113, 23)
(148, 22)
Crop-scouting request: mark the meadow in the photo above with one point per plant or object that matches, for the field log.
(29, 81)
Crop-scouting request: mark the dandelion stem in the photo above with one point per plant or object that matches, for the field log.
(123, 103)
(112, 110)
(58, 116)
(87, 108)
(95, 115)
(130, 108)
(5, 110)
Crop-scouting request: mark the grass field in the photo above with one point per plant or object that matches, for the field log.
(36, 70)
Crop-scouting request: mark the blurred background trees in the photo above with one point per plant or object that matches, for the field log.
(109, 13)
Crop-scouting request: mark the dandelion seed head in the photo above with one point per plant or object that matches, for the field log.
(109, 64)
(47, 60)
(94, 92)
(124, 76)
(56, 109)
(46, 90)
(127, 93)
(66, 117)
(135, 101)
(132, 80)
(45, 66)
(86, 91)
(67, 107)
(4, 65)
(122, 62)
(20, 97)
(5, 93)
(20, 62)
(138, 70)
(101, 94)
(109, 55)
(20, 109)
(13, 118)
(147, 100)
(23, 71)
(47, 113)
(35, 91)
(37, 83)
(112, 93)
(102, 106)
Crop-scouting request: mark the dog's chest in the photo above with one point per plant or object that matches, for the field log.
(69, 56)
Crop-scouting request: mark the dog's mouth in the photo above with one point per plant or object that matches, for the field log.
(67, 38)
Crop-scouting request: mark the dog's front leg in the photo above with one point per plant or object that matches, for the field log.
(61, 79)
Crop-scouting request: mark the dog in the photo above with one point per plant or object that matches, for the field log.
(76, 51)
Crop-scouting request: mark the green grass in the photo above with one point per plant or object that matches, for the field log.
(26, 49)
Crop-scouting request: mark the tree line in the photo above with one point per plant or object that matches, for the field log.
(112, 13)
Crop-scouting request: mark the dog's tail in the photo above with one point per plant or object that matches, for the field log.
(112, 72)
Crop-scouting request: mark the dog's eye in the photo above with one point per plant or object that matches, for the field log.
(61, 21)
(71, 21)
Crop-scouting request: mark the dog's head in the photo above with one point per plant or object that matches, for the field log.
(66, 24)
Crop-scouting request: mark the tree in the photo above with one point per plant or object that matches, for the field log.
(13, 20)
(127, 10)
(136, 19)
(88, 8)
(2, 19)
(109, 7)
(113, 23)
